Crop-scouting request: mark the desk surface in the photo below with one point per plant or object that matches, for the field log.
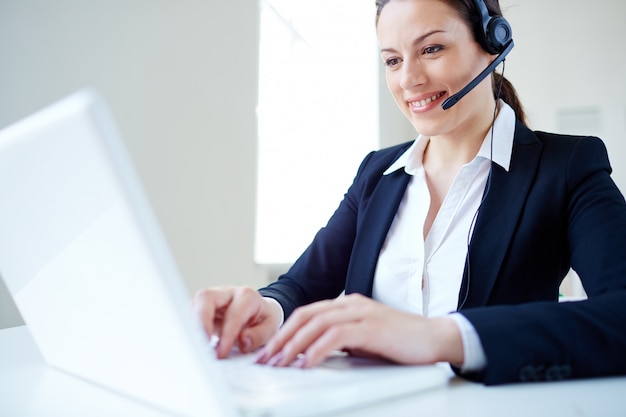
(28, 387)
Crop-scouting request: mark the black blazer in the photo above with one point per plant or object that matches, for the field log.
(556, 207)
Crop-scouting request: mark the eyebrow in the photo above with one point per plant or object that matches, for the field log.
(417, 40)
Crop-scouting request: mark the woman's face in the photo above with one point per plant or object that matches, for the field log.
(430, 54)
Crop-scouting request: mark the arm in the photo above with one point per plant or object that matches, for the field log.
(364, 327)
(242, 316)
(547, 340)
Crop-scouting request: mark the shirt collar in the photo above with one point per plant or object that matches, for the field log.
(503, 132)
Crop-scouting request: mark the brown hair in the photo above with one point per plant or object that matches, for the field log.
(467, 11)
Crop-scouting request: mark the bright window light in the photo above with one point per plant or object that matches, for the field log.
(317, 116)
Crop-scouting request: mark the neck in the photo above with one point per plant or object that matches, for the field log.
(460, 146)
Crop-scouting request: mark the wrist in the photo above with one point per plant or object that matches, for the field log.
(448, 342)
(276, 311)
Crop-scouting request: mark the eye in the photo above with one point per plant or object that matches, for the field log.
(433, 49)
(392, 62)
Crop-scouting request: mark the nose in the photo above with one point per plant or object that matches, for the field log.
(412, 74)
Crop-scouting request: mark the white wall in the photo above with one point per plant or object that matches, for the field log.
(570, 55)
(181, 78)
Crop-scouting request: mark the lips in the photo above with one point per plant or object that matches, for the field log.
(418, 104)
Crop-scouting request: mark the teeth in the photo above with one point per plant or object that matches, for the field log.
(423, 103)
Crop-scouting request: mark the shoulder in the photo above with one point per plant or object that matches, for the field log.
(571, 149)
(378, 161)
(570, 141)
(525, 136)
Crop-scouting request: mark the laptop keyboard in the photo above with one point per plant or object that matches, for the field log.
(242, 373)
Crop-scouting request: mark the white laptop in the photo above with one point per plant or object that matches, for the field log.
(89, 269)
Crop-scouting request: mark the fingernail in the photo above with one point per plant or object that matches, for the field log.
(246, 344)
(261, 356)
(301, 362)
(221, 351)
(276, 359)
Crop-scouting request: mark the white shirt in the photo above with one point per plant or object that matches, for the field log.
(424, 276)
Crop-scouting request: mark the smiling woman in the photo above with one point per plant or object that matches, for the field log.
(452, 247)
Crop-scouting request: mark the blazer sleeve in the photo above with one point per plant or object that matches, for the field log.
(550, 341)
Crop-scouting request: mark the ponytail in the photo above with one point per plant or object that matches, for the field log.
(509, 96)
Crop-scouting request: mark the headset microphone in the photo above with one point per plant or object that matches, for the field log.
(453, 99)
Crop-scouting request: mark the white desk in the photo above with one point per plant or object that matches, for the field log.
(28, 387)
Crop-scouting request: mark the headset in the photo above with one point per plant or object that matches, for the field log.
(496, 37)
(496, 32)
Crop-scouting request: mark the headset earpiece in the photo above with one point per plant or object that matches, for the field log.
(496, 30)
(496, 38)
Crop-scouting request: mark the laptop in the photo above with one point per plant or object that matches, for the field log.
(90, 271)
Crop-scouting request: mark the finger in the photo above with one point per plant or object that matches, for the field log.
(258, 334)
(317, 322)
(351, 306)
(208, 304)
(253, 337)
(245, 310)
(339, 337)
(295, 322)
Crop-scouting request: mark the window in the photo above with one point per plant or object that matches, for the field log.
(317, 116)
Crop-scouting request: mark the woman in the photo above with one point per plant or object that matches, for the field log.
(452, 247)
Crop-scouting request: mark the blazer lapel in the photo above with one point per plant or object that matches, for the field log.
(498, 218)
(372, 231)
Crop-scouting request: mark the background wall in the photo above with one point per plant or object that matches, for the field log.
(181, 79)
(568, 67)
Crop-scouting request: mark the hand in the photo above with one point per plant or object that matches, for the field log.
(237, 315)
(360, 325)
